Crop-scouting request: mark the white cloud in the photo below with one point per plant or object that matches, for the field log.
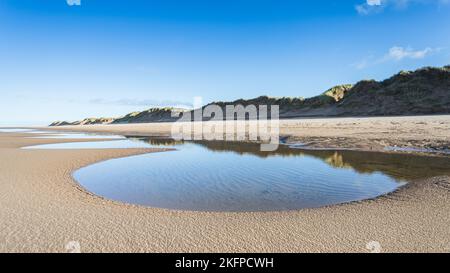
(374, 2)
(142, 102)
(374, 6)
(370, 6)
(73, 2)
(398, 53)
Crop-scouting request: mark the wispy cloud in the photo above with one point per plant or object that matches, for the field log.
(143, 102)
(373, 2)
(396, 54)
(73, 2)
(365, 62)
(370, 6)
(374, 6)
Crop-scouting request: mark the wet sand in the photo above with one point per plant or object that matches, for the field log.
(368, 134)
(42, 208)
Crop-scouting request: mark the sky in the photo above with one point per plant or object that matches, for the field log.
(71, 59)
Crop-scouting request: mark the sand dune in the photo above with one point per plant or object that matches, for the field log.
(420, 92)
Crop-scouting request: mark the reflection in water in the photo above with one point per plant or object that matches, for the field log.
(395, 165)
(236, 176)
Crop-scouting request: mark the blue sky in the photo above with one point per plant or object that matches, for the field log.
(70, 59)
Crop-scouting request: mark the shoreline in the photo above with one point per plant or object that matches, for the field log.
(43, 208)
(412, 134)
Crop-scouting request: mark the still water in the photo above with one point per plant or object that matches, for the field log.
(224, 176)
(236, 176)
(74, 136)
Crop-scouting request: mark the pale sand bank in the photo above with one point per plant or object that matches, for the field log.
(373, 133)
(42, 208)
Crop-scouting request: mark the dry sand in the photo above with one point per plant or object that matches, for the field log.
(42, 208)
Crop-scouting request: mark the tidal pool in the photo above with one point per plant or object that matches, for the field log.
(14, 130)
(232, 176)
(56, 135)
(110, 144)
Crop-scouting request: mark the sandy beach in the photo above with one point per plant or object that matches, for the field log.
(42, 208)
(368, 133)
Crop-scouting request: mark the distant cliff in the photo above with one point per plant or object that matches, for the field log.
(87, 121)
(425, 91)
